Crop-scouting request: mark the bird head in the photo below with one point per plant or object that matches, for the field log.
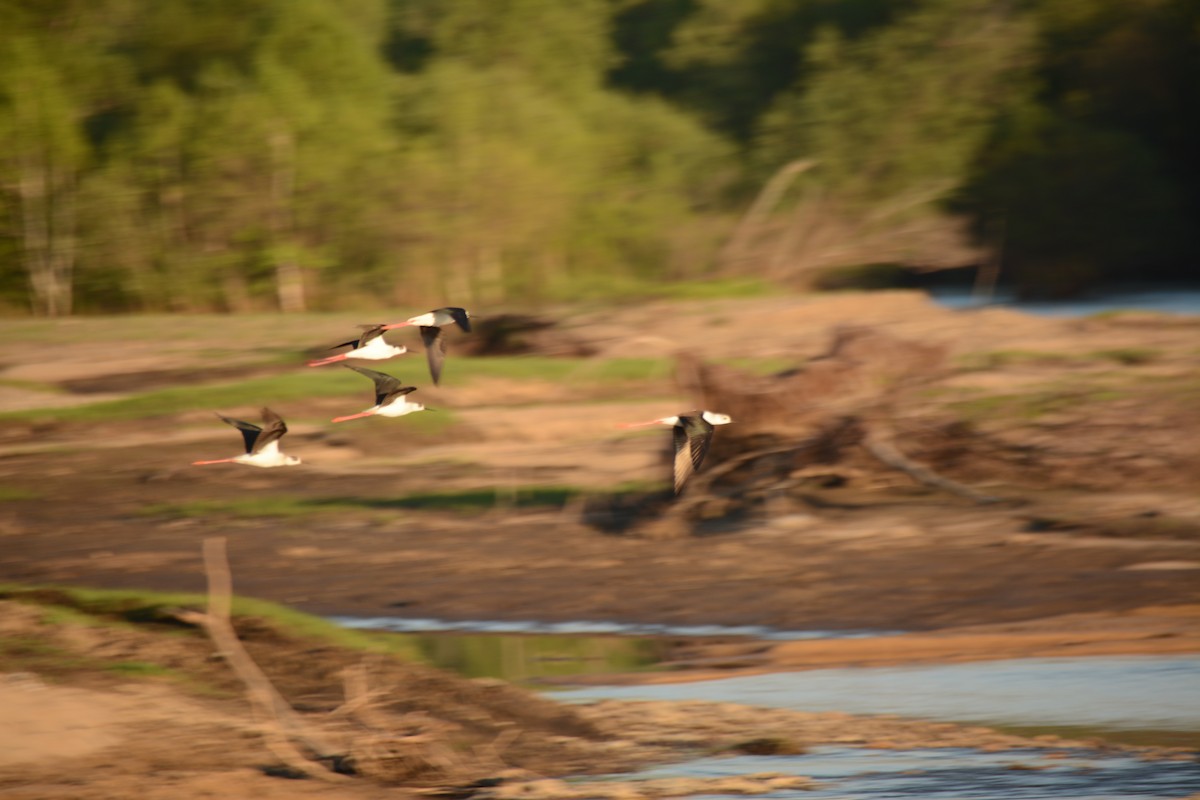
(713, 418)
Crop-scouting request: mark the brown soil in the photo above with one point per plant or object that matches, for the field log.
(1096, 548)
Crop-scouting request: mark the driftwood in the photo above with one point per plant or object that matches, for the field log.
(793, 425)
(410, 748)
(283, 728)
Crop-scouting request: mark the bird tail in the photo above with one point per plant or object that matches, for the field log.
(330, 360)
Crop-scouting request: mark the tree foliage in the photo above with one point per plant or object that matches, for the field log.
(217, 155)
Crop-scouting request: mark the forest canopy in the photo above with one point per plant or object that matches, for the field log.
(219, 155)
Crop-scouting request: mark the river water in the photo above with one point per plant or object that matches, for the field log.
(1175, 300)
(1152, 700)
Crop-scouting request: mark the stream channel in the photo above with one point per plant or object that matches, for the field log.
(1134, 699)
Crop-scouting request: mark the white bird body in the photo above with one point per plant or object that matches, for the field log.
(691, 434)
(391, 397)
(262, 443)
(376, 350)
(371, 346)
(269, 456)
(399, 408)
(431, 324)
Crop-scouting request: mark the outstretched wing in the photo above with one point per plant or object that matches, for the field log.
(692, 437)
(461, 318)
(369, 332)
(273, 428)
(250, 431)
(435, 350)
(385, 385)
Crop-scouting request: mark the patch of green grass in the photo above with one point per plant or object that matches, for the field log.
(252, 508)
(142, 607)
(13, 493)
(140, 669)
(1031, 405)
(465, 500)
(240, 332)
(274, 391)
(999, 359)
(1129, 356)
(32, 654)
(31, 386)
(762, 366)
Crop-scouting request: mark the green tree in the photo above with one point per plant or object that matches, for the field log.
(43, 158)
(891, 123)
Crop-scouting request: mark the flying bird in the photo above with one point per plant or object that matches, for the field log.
(431, 324)
(370, 346)
(262, 443)
(391, 397)
(692, 434)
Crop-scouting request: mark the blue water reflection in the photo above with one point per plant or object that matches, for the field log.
(1182, 300)
(959, 773)
(1133, 692)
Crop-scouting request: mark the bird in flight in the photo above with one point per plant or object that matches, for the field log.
(431, 324)
(391, 397)
(692, 433)
(262, 443)
(370, 346)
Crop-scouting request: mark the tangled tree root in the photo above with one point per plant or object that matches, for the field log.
(790, 428)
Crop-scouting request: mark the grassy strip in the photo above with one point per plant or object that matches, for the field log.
(1031, 405)
(10, 494)
(467, 500)
(275, 391)
(124, 607)
(304, 383)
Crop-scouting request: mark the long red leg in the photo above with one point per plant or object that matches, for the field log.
(321, 361)
(217, 461)
(359, 415)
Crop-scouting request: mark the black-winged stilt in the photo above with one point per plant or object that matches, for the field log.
(262, 443)
(370, 346)
(391, 397)
(431, 324)
(692, 433)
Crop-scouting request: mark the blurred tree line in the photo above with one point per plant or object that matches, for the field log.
(308, 154)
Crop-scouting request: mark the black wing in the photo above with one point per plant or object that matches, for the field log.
(250, 431)
(461, 318)
(273, 428)
(370, 332)
(385, 385)
(351, 343)
(435, 350)
(399, 391)
(692, 436)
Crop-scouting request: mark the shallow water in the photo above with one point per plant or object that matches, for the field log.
(588, 628)
(1128, 692)
(1180, 300)
(528, 652)
(1153, 697)
(959, 773)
